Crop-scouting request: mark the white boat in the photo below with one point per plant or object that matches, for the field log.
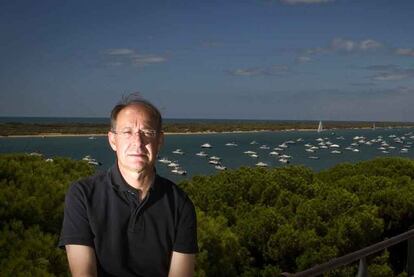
(264, 147)
(220, 167)
(173, 164)
(164, 160)
(215, 158)
(179, 171)
(262, 164)
(94, 162)
(274, 153)
(201, 154)
(249, 152)
(87, 158)
(91, 160)
(178, 152)
(336, 152)
(215, 162)
(92, 137)
(254, 156)
(313, 157)
(285, 161)
(320, 127)
(206, 145)
(231, 144)
(253, 142)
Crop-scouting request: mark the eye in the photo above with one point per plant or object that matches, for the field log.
(126, 133)
(149, 133)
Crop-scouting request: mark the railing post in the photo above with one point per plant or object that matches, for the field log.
(363, 268)
(410, 257)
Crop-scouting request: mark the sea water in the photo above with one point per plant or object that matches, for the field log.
(232, 156)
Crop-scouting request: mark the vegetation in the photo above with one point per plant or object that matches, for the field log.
(17, 128)
(31, 209)
(261, 222)
(251, 221)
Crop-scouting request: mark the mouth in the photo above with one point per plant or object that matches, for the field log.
(137, 155)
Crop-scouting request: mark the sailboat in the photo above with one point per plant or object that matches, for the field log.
(373, 126)
(320, 128)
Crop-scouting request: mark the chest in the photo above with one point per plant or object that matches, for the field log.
(132, 236)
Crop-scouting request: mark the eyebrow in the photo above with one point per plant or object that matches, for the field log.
(146, 127)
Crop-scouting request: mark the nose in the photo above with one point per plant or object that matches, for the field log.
(138, 138)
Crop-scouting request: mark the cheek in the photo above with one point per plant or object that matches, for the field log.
(152, 149)
(122, 148)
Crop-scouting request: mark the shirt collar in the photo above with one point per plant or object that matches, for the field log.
(119, 183)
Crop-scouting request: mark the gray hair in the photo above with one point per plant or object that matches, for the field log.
(136, 99)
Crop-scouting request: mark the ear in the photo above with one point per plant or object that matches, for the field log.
(112, 141)
(160, 141)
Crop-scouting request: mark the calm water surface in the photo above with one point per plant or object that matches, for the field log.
(233, 156)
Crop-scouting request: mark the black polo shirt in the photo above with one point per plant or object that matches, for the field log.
(130, 238)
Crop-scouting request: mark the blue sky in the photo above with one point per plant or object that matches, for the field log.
(247, 59)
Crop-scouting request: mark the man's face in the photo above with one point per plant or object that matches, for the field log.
(135, 148)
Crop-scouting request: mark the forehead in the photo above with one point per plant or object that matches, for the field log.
(136, 114)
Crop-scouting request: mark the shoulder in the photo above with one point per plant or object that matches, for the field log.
(90, 185)
(170, 187)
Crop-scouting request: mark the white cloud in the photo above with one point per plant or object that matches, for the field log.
(120, 51)
(126, 56)
(260, 71)
(147, 59)
(393, 76)
(340, 44)
(405, 52)
(369, 44)
(294, 2)
(303, 59)
(405, 90)
(390, 73)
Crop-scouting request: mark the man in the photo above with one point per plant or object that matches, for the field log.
(128, 221)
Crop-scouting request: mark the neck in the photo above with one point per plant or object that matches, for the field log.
(140, 180)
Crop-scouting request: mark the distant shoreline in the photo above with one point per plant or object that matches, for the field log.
(15, 130)
(92, 136)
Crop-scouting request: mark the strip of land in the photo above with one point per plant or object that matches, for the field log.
(16, 129)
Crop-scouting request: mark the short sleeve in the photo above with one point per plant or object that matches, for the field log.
(186, 235)
(76, 228)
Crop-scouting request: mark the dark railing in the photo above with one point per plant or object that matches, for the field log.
(361, 256)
